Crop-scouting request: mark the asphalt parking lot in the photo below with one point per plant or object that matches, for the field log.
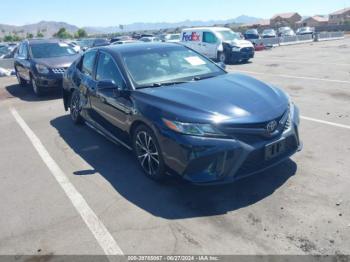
(299, 207)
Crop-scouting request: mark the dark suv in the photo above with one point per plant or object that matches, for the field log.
(42, 63)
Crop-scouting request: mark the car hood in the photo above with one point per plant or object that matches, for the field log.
(240, 43)
(234, 98)
(57, 62)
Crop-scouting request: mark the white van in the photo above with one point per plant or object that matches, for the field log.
(218, 43)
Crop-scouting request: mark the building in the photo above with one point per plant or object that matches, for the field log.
(285, 19)
(340, 17)
(315, 21)
(261, 23)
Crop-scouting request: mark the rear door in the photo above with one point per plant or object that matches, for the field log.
(85, 81)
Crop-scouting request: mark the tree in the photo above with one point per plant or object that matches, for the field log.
(81, 33)
(12, 38)
(63, 34)
(30, 35)
(39, 34)
(8, 38)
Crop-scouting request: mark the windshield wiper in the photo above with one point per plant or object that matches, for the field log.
(165, 84)
(198, 78)
(170, 83)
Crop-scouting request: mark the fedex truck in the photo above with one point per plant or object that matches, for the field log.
(218, 43)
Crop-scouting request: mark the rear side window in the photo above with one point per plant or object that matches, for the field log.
(108, 70)
(209, 38)
(88, 63)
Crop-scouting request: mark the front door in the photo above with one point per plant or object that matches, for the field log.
(111, 107)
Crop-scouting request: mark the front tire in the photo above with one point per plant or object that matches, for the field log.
(148, 153)
(222, 57)
(36, 89)
(21, 81)
(75, 108)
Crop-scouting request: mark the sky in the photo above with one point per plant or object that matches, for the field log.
(115, 12)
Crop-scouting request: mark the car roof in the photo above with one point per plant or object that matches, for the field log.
(43, 41)
(133, 47)
(207, 29)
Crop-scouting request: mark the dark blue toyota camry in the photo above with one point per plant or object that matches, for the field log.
(180, 113)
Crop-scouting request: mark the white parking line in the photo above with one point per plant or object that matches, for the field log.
(98, 229)
(282, 60)
(324, 122)
(296, 77)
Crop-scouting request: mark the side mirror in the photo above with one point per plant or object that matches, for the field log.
(108, 85)
(222, 65)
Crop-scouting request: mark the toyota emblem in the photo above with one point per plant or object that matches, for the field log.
(271, 127)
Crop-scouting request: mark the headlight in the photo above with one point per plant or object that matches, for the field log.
(42, 69)
(236, 49)
(193, 129)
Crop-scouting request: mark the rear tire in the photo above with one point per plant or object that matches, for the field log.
(36, 89)
(148, 153)
(75, 108)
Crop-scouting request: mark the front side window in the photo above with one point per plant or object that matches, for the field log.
(108, 70)
(164, 65)
(209, 38)
(49, 50)
(20, 50)
(25, 51)
(88, 63)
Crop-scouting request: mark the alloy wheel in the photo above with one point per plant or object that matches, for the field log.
(75, 107)
(35, 87)
(222, 58)
(147, 153)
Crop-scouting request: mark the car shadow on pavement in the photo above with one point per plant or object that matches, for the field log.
(26, 93)
(174, 199)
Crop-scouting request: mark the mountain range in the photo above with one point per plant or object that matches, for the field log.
(48, 28)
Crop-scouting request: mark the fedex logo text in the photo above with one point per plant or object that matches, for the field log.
(191, 37)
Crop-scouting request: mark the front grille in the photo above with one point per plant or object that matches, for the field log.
(59, 71)
(256, 159)
(247, 49)
(252, 132)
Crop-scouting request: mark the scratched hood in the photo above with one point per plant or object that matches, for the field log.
(232, 98)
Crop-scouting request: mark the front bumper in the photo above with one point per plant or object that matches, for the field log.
(244, 54)
(216, 160)
(48, 82)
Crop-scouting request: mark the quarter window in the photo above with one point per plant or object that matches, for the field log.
(209, 38)
(108, 70)
(88, 63)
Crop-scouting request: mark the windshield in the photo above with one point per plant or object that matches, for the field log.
(86, 43)
(4, 50)
(269, 31)
(228, 35)
(164, 65)
(51, 50)
(252, 32)
(174, 37)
